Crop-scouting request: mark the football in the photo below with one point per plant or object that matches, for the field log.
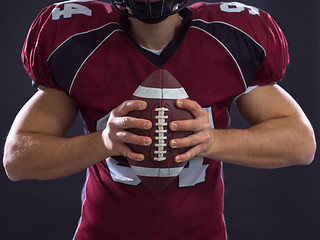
(160, 91)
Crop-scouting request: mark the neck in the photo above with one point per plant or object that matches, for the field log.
(155, 36)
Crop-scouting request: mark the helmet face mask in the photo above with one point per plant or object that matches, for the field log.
(149, 12)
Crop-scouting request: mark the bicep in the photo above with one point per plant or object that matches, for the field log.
(268, 102)
(49, 111)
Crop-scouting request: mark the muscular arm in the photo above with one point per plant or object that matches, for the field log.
(37, 149)
(280, 135)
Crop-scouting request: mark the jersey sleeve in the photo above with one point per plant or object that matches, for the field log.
(273, 67)
(35, 51)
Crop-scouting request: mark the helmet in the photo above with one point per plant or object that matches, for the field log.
(149, 12)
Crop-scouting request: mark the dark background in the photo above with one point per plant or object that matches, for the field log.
(259, 204)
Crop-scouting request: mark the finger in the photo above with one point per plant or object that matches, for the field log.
(192, 152)
(127, 152)
(192, 106)
(128, 106)
(118, 147)
(192, 125)
(128, 137)
(190, 141)
(130, 122)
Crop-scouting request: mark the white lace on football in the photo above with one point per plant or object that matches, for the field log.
(161, 134)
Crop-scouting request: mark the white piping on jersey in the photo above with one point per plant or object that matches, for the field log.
(222, 200)
(58, 3)
(78, 35)
(81, 33)
(264, 51)
(249, 89)
(117, 30)
(164, 93)
(243, 79)
(157, 172)
(83, 200)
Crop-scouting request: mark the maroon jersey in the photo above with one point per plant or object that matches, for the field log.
(223, 50)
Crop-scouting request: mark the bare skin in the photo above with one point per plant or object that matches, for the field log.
(36, 148)
(280, 135)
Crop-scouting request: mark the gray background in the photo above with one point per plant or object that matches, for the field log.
(259, 204)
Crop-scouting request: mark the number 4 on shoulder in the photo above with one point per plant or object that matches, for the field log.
(235, 7)
(69, 10)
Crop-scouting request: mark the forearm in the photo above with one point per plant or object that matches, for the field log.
(42, 156)
(274, 143)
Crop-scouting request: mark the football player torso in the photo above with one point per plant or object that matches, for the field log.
(84, 49)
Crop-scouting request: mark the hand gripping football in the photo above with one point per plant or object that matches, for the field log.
(160, 91)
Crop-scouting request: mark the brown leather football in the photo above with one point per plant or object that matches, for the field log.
(159, 90)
